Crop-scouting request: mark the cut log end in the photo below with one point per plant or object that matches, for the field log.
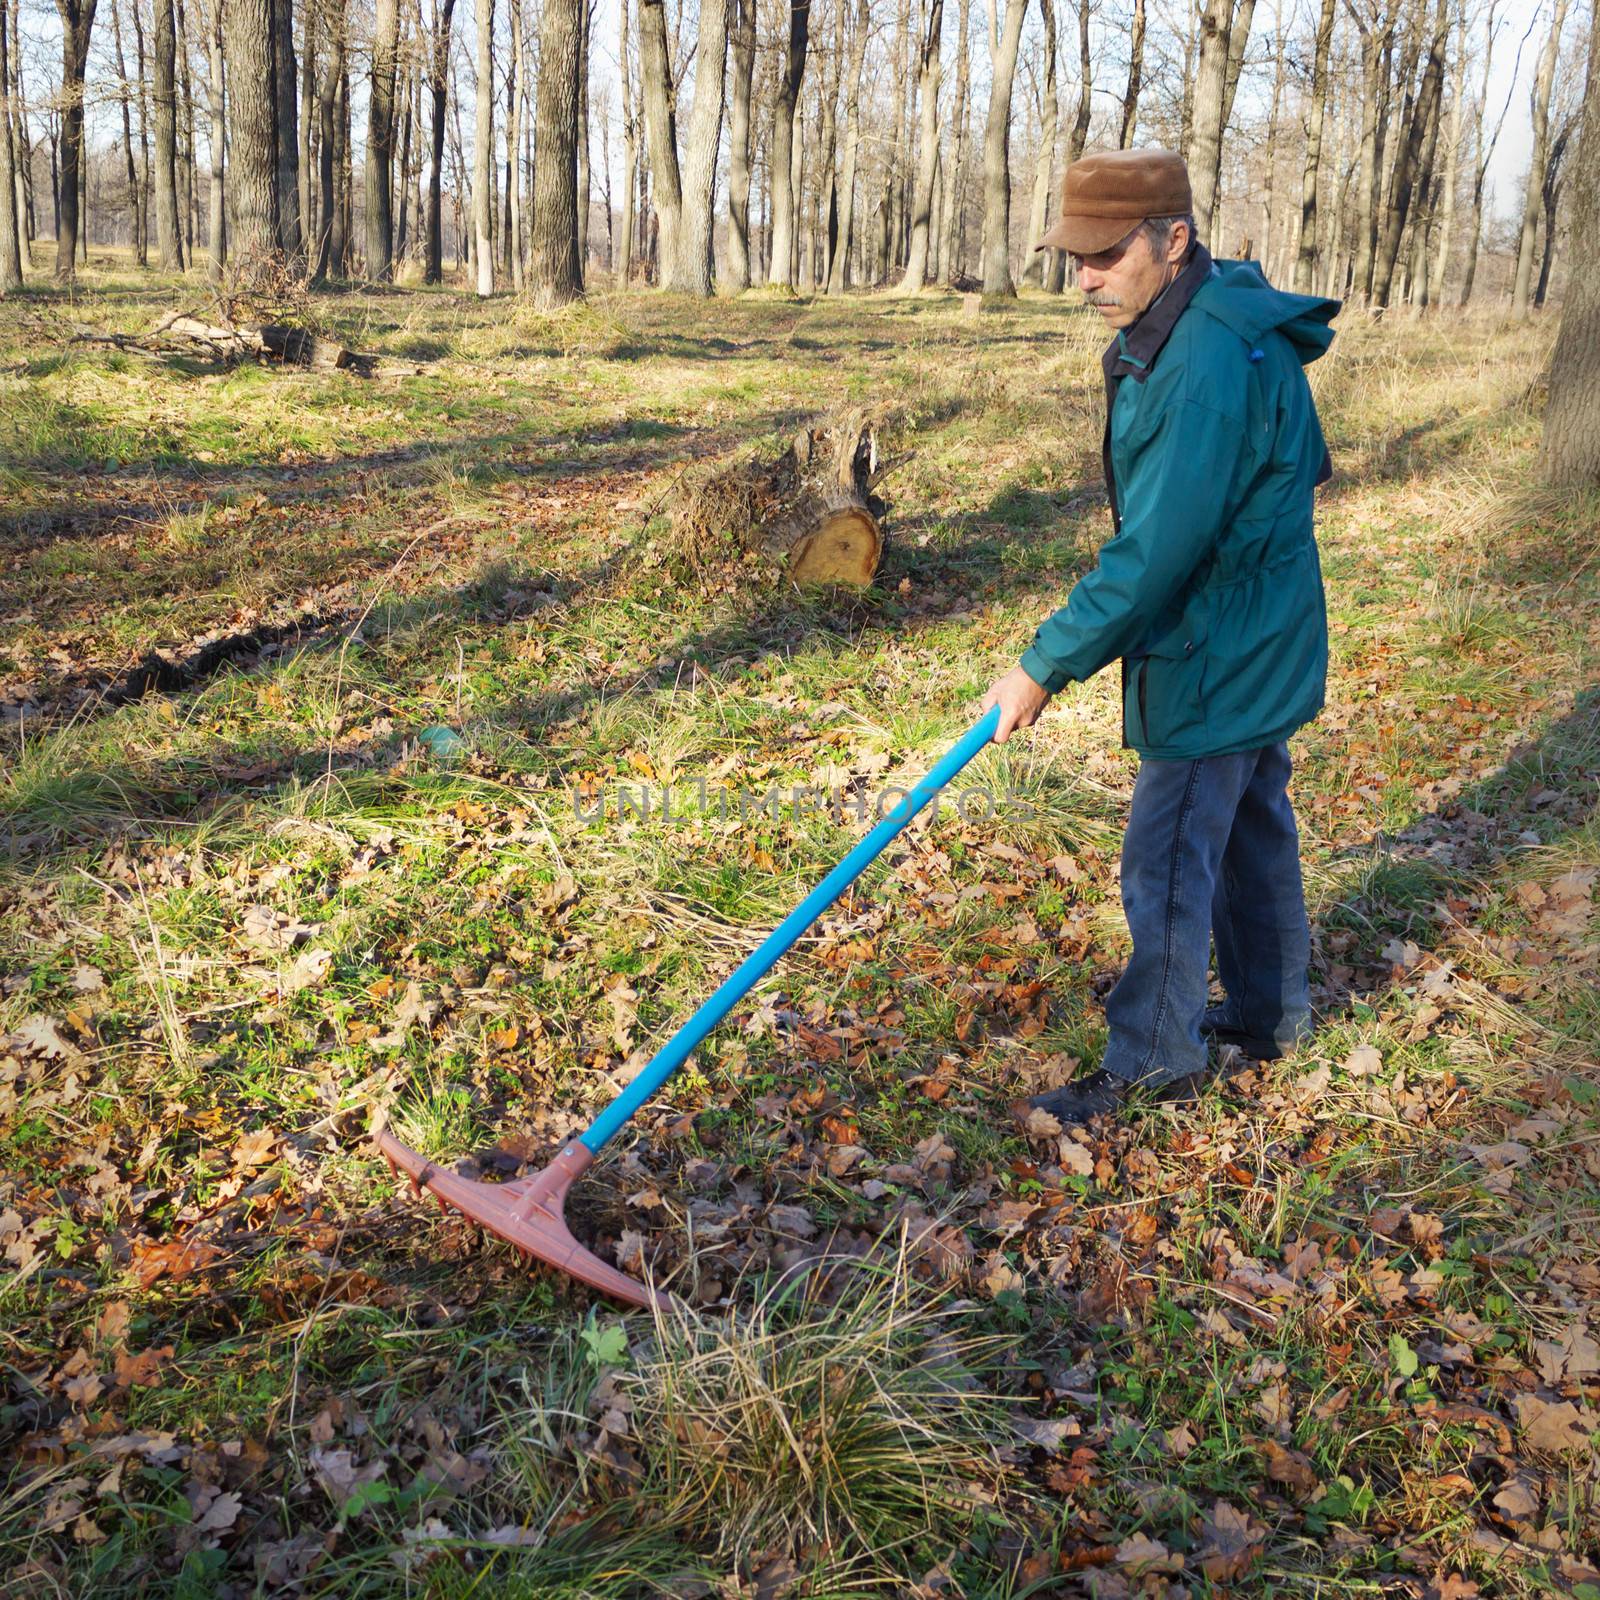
(809, 513)
(845, 549)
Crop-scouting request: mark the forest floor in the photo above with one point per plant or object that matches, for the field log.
(330, 707)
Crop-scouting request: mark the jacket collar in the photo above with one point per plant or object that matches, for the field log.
(1134, 350)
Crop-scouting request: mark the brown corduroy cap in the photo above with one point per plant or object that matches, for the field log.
(1105, 196)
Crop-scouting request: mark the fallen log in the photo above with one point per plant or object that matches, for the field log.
(271, 340)
(809, 511)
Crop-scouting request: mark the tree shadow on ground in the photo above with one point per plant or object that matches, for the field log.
(768, 617)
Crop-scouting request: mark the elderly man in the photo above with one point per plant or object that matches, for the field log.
(1210, 593)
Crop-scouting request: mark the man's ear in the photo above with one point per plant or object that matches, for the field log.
(1178, 242)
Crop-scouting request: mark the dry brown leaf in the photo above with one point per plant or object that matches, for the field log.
(1556, 1426)
(142, 1371)
(1231, 1541)
(1141, 1554)
(174, 1258)
(1572, 1354)
(1291, 1467)
(111, 1326)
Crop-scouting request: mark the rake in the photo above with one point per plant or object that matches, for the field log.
(529, 1213)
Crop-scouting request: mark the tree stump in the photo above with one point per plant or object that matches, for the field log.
(810, 511)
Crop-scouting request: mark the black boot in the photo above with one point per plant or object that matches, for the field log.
(1097, 1094)
(1247, 1043)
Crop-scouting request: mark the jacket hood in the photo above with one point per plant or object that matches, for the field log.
(1239, 296)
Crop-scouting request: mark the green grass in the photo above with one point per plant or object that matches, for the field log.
(482, 545)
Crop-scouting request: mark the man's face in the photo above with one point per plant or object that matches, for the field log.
(1121, 282)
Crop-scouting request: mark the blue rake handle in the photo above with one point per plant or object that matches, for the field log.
(755, 966)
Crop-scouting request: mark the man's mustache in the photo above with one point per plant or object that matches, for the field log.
(1103, 299)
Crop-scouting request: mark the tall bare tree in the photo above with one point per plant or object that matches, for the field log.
(284, 112)
(1375, 21)
(1305, 265)
(1571, 418)
(997, 150)
(688, 269)
(1539, 105)
(10, 244)
(141, 253)
(555, 271)
(661, 125)
(839, 266)
(743, 41)
(1130, 95)
(379, 172)
(216, 195)
(1452, 173)
(247, 36)
(516, 96)
(785, 201)
(483, 152)
(950, 252)
(916, 273)
(1224, 32)
(1411, 140)
(1033, 264)
(77, 23)
(438, 89)
(169, 233)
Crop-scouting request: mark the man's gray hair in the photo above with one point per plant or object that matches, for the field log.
(1158, 230)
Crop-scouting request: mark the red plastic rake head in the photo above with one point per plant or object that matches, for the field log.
(527, 1212)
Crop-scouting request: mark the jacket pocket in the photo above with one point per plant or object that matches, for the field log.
(1164, 688)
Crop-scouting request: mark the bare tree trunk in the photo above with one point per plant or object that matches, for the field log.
(21, 150)
(1269, 184)
(379, 173)
(1223, 35)
(1428, 193)
(77, 22)
(827, 185)
(483, 152)
(623, 264)
(950, 255)
(1408, 159)
(438, 88)
(661, 127)
(586, 19)
(1447, 216)
(344, 235)
(916, 273)
(1305, 266)
(329, 226)
(1571, 418)
(997, 158)
(515, 95)
(1130, 96)
(285, 109)
(686, 268)
(839, 267)
(1044, 171)
(135, 211)
(1543, 82)
(784, 199)
(405, 221)
(169, 234)
(248, 40)
(10, 241)
(1551, 195)
(310, 12)
(744, 57)
(557, 274)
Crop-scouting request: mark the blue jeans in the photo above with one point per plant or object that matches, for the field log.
(1211, 852)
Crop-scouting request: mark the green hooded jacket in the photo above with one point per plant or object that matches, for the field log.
(1210, 589)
